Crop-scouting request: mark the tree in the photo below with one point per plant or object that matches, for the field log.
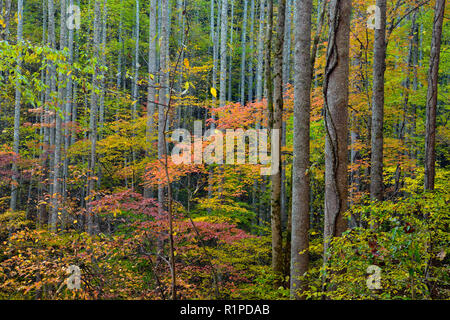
(251, 51)
(244, 51)
(17, 102)
(379, 54)
(335, 89)
(433, 72)
(260, 49)
(223, 52)
(151, 91)
(301, 162)
(277, 244)
(92, 226)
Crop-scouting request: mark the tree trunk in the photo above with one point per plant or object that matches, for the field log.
(92, 227)
(58, 131)
(379, 53)
(223, 51)
(151, 94)
(230, 59)
(17, 102)
(277, 252)
(336, 118)
(6, 14)
(433, 73)
(301, 164)
(243, 53)
(260, 62)
(250, 59)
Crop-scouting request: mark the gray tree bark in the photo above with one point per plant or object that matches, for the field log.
(251, 54)
(336, 121)
(243, 53)
(151, 93)
(379, 53)
(91, 224)
(17, 102)
(301, 162)
(277, 243)
(56, 190)
(433, 73)
(260, 49)
(223, 52)
(136, 64)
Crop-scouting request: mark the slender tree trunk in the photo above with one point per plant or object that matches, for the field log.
(92, 227)
(243, 53)
(322, 4)
(6, 14)
(56, 195)
(101, 116)
(119, 59)
(251, 55)
(260, 49)
(135, 97)
(68, 111)
(73, 136)
(51, 87)
(163, 71)
(151, 94)
(223, 52)
(17, 102)
(277, 252)
(287, 43)
(301, 162)
(433, 73)
(230, 58)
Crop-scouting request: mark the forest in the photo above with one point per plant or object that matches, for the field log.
(224, 149)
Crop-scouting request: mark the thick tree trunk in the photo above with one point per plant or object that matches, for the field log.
(301, 164)
(336, 118)
(433, 73)
(379, 53)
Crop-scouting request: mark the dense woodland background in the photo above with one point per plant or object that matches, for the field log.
(86, 115)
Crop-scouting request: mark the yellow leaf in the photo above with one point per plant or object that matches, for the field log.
(186, 63)
(214, 92)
